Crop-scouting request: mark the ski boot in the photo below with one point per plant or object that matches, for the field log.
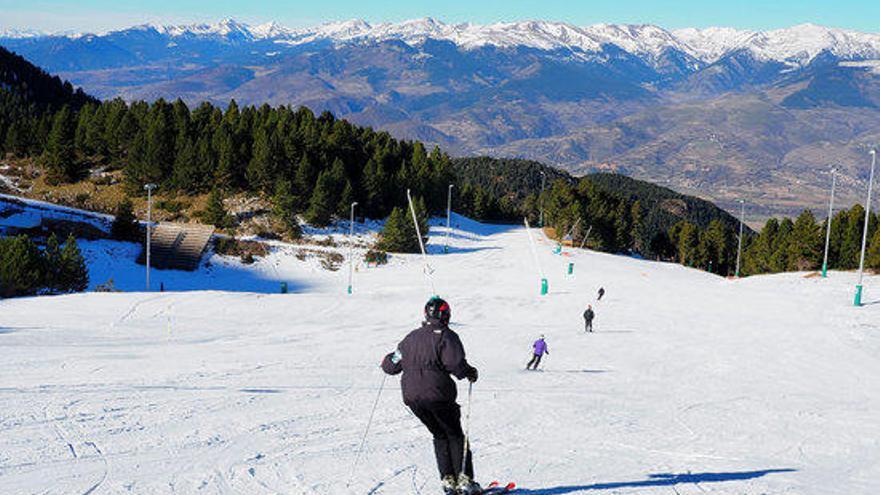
(448, 484)
(467, 486)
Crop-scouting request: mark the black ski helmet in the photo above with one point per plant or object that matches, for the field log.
(438, 309)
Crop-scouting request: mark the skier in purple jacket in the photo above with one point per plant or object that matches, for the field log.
(540, 348)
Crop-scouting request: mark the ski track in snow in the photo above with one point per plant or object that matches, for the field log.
(692, 384)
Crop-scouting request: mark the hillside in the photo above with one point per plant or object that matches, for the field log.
(721, 113)
(691, 384)
(35, 86)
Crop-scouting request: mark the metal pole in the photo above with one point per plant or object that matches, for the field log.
(149, 188)
(427, 268)
(584, 242)
(448, 216)
(351, 247)
(544, 284)
(858, 298)
(541, 216)
(742, 215)
(828, 227)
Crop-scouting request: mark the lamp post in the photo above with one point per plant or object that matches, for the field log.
(149, 188)
(858, 298)
(351, 247)
(742, 215)
(541, 216)
(448, 216)
(828, 227)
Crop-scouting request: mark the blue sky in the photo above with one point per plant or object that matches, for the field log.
(99, 15)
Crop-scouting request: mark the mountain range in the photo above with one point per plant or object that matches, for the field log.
(720, 112)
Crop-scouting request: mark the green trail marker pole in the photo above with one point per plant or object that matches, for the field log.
(351, 247)
(570, 267)
(545, 286)
(828, 227)
(858, 298)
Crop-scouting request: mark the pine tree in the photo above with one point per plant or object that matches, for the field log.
(622, 229)
(322, 205)
(757, 257)
(264, 162)
(718, 244)
(224, 151)
(159, 141)
(284, 207)
(687, 240)
(345, 200)
(74, 274)
(805, 243)
(779, 257)
(374, 187)
(187, 174)
(52, 274)
(125, 226)
(872, 256)
(21, 267)
(306, 177)
(215, 213)
(60, 155)
(399, 234)
(640, 244)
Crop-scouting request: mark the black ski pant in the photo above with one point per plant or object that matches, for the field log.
(444, 422)
(536, 360)
(588, 325)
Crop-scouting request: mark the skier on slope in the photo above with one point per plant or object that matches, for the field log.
(427, 357)
(601, 293)
(539, 348)
(588, 318)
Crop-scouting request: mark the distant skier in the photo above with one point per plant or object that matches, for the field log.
(539, 348)
(601, 293)
(427, 357)
(588, 318)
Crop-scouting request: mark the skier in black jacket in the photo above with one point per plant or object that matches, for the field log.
(427, 357)
(588, 318)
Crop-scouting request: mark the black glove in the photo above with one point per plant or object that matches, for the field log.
(472, 374)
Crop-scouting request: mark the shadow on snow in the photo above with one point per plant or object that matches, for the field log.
(656, 480)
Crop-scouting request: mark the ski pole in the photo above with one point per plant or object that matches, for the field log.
(366, 431)
(467, 426)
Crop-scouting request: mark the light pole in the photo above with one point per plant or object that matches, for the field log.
(351, 247)
(858, 299)
(448, 216)
(828, 227)
(541, 216)
(149, 188)
(742, 215)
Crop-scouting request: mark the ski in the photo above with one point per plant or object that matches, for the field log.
(496, 488)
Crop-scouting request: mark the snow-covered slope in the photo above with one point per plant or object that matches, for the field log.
(692, 384)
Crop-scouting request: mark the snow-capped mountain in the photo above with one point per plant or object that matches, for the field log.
(799, 45)
(796, 45)
(14, 33)
(710, 44)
